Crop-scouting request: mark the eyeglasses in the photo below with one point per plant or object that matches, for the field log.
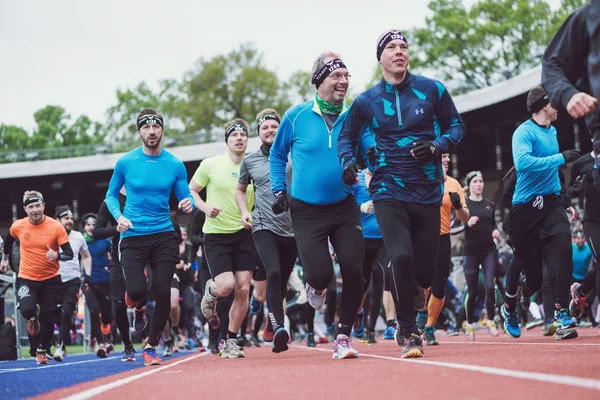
(338, 76)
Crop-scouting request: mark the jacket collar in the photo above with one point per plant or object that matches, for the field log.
(389, 87)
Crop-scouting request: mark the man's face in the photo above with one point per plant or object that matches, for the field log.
(551, 113)
(580, 241)
(394, 58)
(237, 142)
(445, 162)
(89, 227)
(151, 135)
(335, 86)
(184, 235)
(67, 222)
(35, 211)
(267, 131)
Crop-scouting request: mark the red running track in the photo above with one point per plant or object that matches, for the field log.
(490, 368)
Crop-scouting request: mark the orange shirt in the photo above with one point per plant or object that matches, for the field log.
(450, 185)
(33, 241)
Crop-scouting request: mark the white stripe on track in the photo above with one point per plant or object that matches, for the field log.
(569, 343)
(89, 393)
(585, 383)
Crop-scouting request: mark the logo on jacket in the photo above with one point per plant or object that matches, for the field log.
(538, 202)
(421, 111)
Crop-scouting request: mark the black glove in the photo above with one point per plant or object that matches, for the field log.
(455, 199)
(578, 185)
(87, 281)
(350, 173)
(571, 155)
(281, 203)
(425, 150)
(372, 155)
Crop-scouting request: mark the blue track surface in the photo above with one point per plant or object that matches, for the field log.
(24, 378)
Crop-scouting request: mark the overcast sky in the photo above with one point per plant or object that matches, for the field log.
(76, 54)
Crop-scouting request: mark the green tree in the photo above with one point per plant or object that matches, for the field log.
(492, 41)
(235, 85)
(13, 138)
(299, 86)
(54, 130)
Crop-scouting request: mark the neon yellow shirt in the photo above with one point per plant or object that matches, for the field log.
(219, 175)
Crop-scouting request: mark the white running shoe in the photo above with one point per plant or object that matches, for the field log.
(316, 298)
(342, 348)
(209, 302)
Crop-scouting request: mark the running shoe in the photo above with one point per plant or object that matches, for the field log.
(110, 348)
(342, 348)
(566, 333)
(168, 351)
(128, 354)
(208, 304)
(492, 328)
(533, 324)
(389, 332)
(330, 331)
(191, 343)
(254, 340)
(232, 350)
(241, 341)
(40, 357)
(578, 301)
(563, 319)
(214, 322)
(255, 306)
(316, 298)
(429, 336)
(412, 347)
(33, 324)
(358, 330)
(470, 333)
(100, 350)
(371, 338)
(310, 340)
(280, 340)
(60, 353)
(422, 320)
(268, 331)
(140, 320)
(150, 357)
(549, 327)
(511, 322)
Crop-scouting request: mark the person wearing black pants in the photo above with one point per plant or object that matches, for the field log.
(480, 249)
(322, 207)
(539, 228)
(106, 227)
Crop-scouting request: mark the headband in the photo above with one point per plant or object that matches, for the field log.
(472, 176)
(233, 128)
(64, 213)
(327, 69)
(265, 118)
(90, 218)
(539, 104)
(388, 37)
(33, 200)
(149, 119)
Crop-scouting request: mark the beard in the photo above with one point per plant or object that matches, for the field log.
(153, 146)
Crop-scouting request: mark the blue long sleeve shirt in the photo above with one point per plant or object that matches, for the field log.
(419, 108)
(370, 228)
(536, 159)
(148, 182)
(316, 171)
(99, 250)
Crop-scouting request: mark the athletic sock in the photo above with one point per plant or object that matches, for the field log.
(231, 335)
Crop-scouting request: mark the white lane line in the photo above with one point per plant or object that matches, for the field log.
(89, 393)
(569, 343)
(56, 365)
(585, 383)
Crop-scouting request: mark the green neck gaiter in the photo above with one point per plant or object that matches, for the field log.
(328, 108)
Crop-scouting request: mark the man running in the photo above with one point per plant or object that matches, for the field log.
(322, 206)
(539, 228)
(228, 245)
(414, 120)
(149, 174)
(39, 292)
(273, 234)
(70, 276)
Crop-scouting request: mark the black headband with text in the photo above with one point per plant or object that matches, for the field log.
(149, 120)
(35, 199)
(233, 128)
(327, 69)
(388, 37)
(539, 104)
(266, 117)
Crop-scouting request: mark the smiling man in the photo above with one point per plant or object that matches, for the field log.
(322, 207)
(414, 121)
(149, 174)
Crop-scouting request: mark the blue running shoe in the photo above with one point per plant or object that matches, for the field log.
(128, 354)
(429, 336)
(140, 320)
(422, 320)
(191, 344)
(389, 332)
(563, 319)
(511, 322)
(549, 327)
(150, 357)
(255, 306)
(358, 330)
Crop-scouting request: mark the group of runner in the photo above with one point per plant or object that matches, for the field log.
(368, 180)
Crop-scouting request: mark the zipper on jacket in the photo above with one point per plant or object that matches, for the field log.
(398, 106)
(328, 130)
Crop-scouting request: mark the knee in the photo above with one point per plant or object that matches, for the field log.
(225, 286)
(437, 289)
(260, 296)
(27, 311)
(162, 294)
(136, 293)
(274, 276)
(242, 290)
(401, 261)
(120, 306)
(424, 281)
(174, 304)
(321, 280)
(490, 292)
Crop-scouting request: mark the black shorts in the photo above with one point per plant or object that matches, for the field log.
(260, 273)
(46, 293)
(175, 282)
(230, 252)
(70, 291)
